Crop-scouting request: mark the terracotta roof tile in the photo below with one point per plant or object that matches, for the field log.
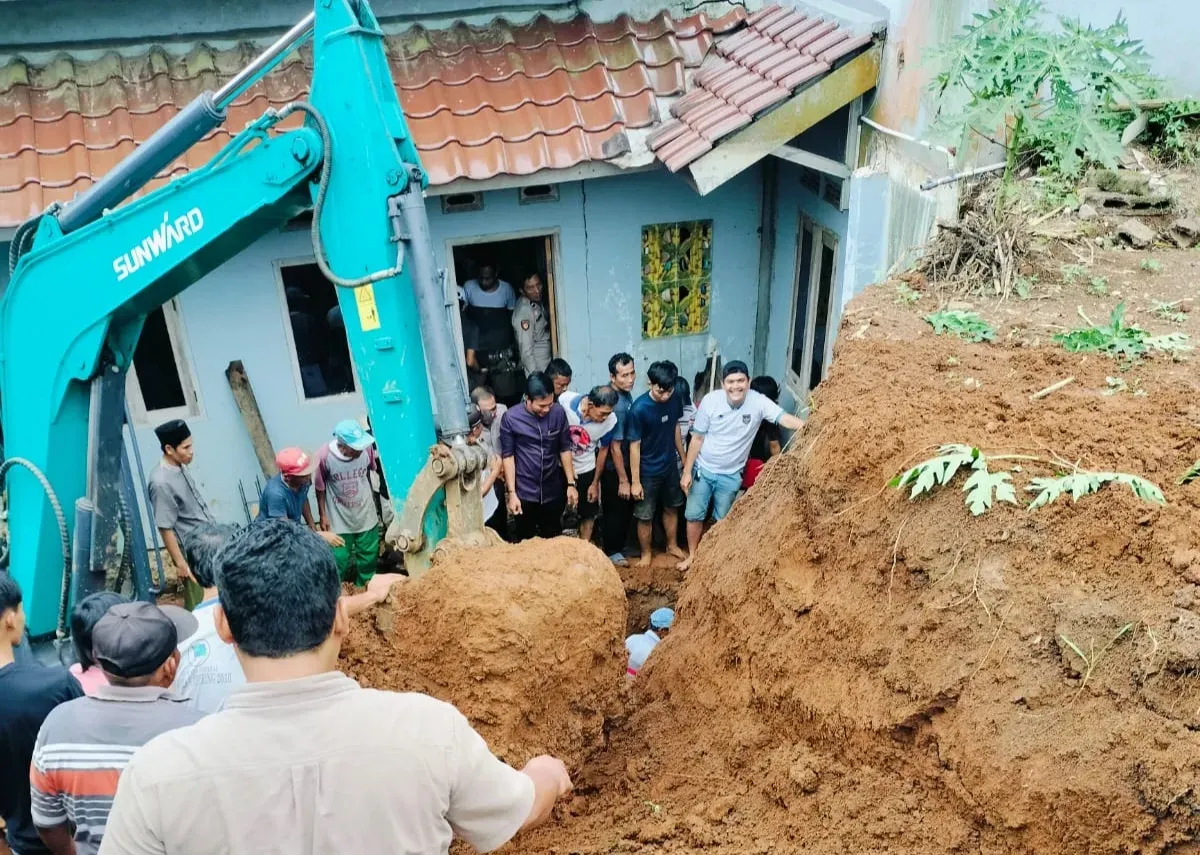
(778, 50)
(482, 100)
(666, 132)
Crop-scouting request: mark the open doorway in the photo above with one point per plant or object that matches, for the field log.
(512, 261)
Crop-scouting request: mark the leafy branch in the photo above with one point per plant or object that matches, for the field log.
(983, 488)
(1082, 483)
(1192, 474)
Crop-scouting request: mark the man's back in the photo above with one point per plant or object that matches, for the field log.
(28, 692)
(83, 747)
(315, 766)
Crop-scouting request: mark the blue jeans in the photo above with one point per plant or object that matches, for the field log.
(711, 489)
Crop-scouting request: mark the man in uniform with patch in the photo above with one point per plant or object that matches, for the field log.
(532, 326)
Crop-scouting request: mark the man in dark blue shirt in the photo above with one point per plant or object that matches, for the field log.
(28, 692)
(616, 507)
(655, 449)
(286, 495)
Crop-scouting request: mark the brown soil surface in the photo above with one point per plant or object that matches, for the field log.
(527, 641)
(856, 672)
(852, 671)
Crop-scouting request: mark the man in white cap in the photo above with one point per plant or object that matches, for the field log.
(641, 646)
(346, 500)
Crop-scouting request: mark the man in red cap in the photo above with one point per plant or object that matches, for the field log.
(286, 495)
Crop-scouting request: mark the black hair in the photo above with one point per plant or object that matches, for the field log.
(735, 367)
(766, 385)
(480, 393)
(84, 617)
(682, 388)
(10, 592)
(663, 374)
(538, 385)
(279, 588)
(558, 367)
(617, 360)
(603, 396)
(202, 545)
(474, 415)
(700, 381)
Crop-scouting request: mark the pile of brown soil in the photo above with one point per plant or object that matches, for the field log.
(852, 671)
(527, 642)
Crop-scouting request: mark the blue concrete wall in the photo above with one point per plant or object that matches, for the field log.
(237, 311)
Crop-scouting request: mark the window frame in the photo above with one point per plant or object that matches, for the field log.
(193, 408)
(293, 358)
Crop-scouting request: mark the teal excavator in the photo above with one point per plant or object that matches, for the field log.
(84, 275)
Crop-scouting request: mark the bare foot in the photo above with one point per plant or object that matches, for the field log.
(676, 551)
(645, 560)
(685, 564)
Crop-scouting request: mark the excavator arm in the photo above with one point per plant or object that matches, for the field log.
(90, 272)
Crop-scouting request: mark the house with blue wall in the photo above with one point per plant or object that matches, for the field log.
(688, 180)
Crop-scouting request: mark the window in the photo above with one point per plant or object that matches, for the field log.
(535, 193)
(453, 203)
(676, 278)
(316, 332)
(812, 307)
(159, 384)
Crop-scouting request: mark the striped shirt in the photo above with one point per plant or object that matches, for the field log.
(83, 747)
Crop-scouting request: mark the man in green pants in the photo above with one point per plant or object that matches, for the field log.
(346, 501)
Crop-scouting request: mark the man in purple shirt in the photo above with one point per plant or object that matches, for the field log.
(535, 443)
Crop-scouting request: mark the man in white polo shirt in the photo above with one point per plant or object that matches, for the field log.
(302, 759)
(726, 422)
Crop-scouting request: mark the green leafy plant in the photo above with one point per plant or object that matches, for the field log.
(1169, 312)
(966, 325)
(905, 295)
(1082, 483)
(1117, 385)
(1192, 474)
(1072, 273)
(1171, 130)
(983, 488)
(1151, 265)
(1098, 286)
(1092, 658)
(1024, 286)
(1118, 339)
(1045, 88)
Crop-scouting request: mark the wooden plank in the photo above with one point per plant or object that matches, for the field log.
(247, 404)
(800, 157)
(748, 146)
(551, 295)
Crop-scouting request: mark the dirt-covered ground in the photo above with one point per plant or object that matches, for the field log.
(855, 671)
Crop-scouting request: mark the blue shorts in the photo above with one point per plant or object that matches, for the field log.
(709, 489)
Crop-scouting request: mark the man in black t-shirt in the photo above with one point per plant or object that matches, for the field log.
(28, 692)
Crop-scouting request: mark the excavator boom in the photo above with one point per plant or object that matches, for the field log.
(87, 274)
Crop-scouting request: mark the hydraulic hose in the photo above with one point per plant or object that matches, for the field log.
(22, 241)
(65, 595)
(319, 203)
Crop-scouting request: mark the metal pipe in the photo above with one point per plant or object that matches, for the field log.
(185, 129)
(930, 183)
(264, 62)
(900, 135)
(441, 357)
(81, 549)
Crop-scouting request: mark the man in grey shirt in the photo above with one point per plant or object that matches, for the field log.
(178, 506)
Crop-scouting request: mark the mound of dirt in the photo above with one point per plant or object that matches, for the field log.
(526, 640)
(855, 671)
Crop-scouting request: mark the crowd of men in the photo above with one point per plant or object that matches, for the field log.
(229, 730)
(656, 453)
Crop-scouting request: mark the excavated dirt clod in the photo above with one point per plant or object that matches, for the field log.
(526, 640)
